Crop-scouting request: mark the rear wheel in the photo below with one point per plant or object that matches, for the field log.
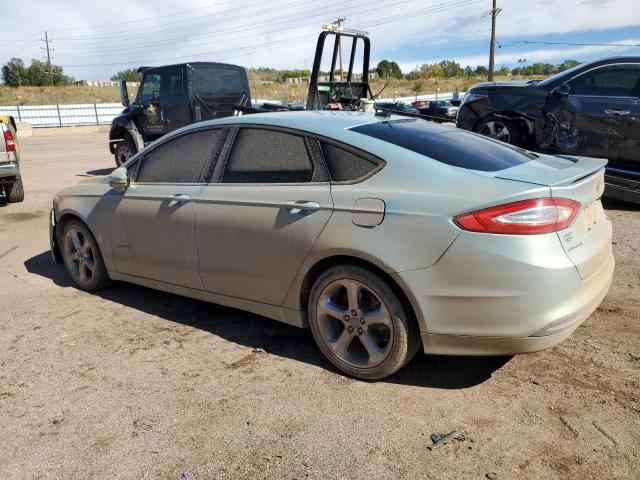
(14, 191)
(503, 129)
(360, 324)
(125, 149)
(82, 258)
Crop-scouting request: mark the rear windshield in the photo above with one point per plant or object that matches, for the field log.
(450, 146)
(214, 80)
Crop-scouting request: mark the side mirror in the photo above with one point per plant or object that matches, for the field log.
(124, 94)
(563, 90)
(119, 180)
(155, 97)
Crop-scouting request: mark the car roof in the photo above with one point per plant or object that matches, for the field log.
(327, 123)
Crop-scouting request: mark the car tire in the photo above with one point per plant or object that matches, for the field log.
(14, 192)
(82, 258)
(124, 150)
(500, 128)
(375, 342)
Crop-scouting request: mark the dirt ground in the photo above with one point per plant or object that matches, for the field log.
(133, 383)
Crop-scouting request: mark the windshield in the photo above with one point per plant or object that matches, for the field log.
(559, 75)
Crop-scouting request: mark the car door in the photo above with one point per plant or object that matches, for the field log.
(153, 230)
(149, 113)
(173, 98)
(594, 118)
(258, 219)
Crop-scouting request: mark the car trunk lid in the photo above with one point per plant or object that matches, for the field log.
(587, 242)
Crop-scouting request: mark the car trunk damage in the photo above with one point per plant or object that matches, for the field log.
(587, 240)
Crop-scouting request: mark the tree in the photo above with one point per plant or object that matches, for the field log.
(128, 75)
(37, 74)
(481, 71)
(387, 69)
(567, 64)
(504, 71)
(468, 71)
(431, 70)
(451, 68)
(14, 72)
(416, 87)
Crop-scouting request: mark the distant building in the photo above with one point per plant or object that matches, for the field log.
(297, 79)
(101, 83)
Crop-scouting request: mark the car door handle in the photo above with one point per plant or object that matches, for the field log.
(617, 112)
(296, 207)
(177, 198)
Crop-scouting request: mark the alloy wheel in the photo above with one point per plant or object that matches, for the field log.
(124, 154)
(497, 130)
(354, 323)
(79, 256)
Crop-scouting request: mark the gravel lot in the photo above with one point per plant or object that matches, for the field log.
(134, 383)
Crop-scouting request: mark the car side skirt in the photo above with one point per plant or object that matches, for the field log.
(289, 316)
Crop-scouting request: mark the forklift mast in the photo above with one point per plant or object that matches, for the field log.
(343, 94)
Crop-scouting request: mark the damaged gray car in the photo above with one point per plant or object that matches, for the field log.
(590, 110)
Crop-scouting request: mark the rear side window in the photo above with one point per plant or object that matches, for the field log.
(216, 81)
(345, 166)
(450, 146)
(266, 156)
(180, 160)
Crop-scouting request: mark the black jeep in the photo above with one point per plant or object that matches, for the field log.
(173, 96)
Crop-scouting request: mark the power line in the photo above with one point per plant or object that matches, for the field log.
(528, 42)
(253, 48)
(255, 28)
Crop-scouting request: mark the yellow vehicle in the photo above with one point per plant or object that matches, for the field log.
(10, 179)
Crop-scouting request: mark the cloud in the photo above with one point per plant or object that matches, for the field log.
(247, 32)
(546, 55)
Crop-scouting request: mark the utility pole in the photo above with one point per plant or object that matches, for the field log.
(492, 48)
(47, 42)
(338, 22)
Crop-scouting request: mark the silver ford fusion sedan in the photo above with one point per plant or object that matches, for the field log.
(381, 234)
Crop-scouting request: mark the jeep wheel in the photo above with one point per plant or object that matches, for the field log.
(124, 150)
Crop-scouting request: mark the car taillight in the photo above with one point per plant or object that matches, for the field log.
(526, 217)
(9, 141)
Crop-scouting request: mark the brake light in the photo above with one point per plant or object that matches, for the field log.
(9, 140)
(526, 217)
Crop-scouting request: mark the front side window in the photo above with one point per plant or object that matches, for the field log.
(179, 160)
(150, 84)
(268, 156)
(613, 81)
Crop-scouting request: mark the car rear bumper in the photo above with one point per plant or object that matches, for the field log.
(9, 170)
(502, 301)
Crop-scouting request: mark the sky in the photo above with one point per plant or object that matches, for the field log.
(93, 39)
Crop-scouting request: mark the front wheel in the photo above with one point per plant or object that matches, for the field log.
(503, 129)
(124, 150)
(360, 324)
